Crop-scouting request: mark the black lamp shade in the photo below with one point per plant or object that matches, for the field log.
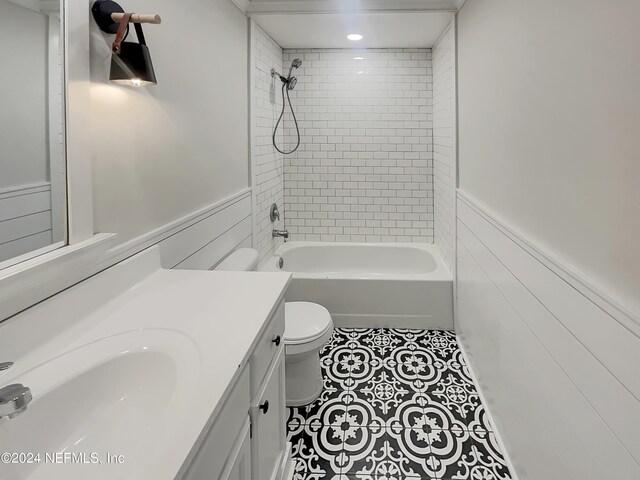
(132, 66)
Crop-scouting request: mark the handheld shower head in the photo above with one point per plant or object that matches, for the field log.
(288, 83)
(297, 63)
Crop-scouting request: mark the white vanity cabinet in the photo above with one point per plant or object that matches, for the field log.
(247, 440)
(268, 420)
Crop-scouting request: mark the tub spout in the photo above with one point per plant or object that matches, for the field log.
(281, 233)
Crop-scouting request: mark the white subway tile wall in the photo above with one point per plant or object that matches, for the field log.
(444, 143)
(363, 172)
(267, 163)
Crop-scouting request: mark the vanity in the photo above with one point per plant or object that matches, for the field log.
(145, 373)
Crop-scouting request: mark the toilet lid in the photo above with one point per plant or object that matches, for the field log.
(305, 321)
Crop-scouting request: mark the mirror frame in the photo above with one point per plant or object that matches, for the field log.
(26, 283)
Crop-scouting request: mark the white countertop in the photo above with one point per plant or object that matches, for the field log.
(217, 315)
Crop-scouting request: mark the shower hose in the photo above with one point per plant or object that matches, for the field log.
(275, 130)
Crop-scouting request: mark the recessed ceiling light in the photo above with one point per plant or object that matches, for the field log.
(361, 72)
(358, 58)
(354, 37)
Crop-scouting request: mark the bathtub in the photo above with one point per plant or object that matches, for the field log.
(370, 285)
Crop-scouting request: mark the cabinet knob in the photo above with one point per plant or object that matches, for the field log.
(265, 406)
(277, 341)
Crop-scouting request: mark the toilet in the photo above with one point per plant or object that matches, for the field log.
(308, 326)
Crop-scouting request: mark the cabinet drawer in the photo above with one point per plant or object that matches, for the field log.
(218, 443)
(268, 417)
(266, 348)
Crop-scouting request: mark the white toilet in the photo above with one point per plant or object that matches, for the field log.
(308, 326)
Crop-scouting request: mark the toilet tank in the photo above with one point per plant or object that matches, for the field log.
(241, 260)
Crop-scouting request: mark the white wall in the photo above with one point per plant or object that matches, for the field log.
(267, 164)
(444, 143)
(549, 122)
(164, 151)
(23, 96)
(364, 168)
(547, 230)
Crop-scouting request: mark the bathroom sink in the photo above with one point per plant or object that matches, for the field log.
(99, 410)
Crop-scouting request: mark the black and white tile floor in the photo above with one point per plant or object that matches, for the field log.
(397, 404)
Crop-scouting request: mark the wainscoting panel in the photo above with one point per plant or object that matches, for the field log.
(25, 219)
(198, 241)
(216, 250)
(556, 369)
(203, 236)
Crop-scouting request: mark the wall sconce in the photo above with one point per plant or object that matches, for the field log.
(130, 62)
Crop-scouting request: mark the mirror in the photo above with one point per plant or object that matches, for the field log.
(32, 135)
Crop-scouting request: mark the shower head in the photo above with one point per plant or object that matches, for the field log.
(289, 81)
(297, 63)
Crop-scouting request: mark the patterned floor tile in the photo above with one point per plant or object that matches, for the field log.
(374, 455)
(413, 445)
(349, 353)
(340, 353)
(408, 335)
(362, 413)
(315, 453)
(480, 422)
(441, 377)
(458, 366)
(409, 414)
(398, 404)
(467, 457)
(355, 335)
(359, 442)
(295, 419)
(382, 341)
(367, 375)
(337, 375)
(459, 397)
(440, 344)
(338, 339)
(386, 394)
(329, 408)
(439, 417)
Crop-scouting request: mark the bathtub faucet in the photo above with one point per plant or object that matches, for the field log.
(281, 233)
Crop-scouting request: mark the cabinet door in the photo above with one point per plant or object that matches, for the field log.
(239, 467)
(268, 417)
(225, 437)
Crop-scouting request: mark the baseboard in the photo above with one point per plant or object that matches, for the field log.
(426, 322)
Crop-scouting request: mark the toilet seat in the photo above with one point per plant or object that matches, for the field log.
(308, 326)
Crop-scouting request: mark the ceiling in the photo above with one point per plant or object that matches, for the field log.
(380, 30)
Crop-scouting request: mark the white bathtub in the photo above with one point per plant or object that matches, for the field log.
(371, 285)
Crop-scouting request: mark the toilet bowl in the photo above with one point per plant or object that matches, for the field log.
(308, 326)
